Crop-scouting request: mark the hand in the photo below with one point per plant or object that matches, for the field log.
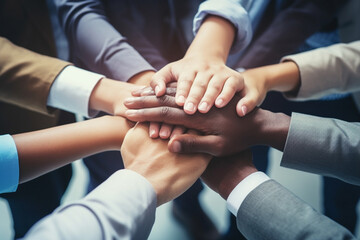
(203, 78)
(223, 174)
(201, 83)
(108, 96)
(283, 77)
(224, 132)
(170, 174)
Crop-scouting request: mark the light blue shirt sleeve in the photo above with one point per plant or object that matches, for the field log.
(9, 164)
(235, 11)
(122, 207)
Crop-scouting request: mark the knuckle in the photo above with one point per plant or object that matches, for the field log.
(164, 112)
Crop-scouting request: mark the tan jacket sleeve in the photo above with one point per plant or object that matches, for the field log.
(324, 71)
(26, 77)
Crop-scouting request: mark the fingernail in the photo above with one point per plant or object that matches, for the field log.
(130, 112)
(203, 106)
(176, 146)
(244, 109)
(152, 133)
(189, 107)
(219, 102)
(157, 90)
(180, 99)
(164, 133)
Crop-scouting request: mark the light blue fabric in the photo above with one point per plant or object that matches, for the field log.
(234, 11)
(9, 164)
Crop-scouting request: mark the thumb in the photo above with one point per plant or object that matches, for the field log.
(161, 79)
(247, 104)
(189, 143)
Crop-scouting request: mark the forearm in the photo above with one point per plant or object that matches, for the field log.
(45, 150)
(213, 39)
(98, 45)
(272, 129)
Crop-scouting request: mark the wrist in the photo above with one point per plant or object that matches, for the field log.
(142, 78)
(274, 128)
(108, 95)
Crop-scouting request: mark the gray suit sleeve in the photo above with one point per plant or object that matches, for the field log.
(324, 71)
(95, 43)
(123, 207)
(323, 146)
(271, 211)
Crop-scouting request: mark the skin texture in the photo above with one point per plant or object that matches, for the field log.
(222, 131)
(202, 76)
(283, 77)
(170, 174)
(223, 174)
(67, 143)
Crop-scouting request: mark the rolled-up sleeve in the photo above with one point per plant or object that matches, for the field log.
(9, 164)
(235, 11)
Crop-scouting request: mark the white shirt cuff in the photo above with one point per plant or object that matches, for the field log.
(9, 164)
(240, 192)
(71, 90)
(231, 10)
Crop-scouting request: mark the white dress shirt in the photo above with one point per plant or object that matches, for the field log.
(72, 89)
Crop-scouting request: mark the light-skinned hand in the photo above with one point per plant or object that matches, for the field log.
(170, 174)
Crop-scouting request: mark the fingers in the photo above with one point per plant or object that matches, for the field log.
(174, 116)
(154, 129)
(247, 104)
(189, 143)
(150, 102)
(178, 130)
(196, 93)
(185, 82)
(161, 79)
(232, 85)
(165, 131)
(214, 88)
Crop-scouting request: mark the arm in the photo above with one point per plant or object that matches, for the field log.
(202, 74)
(308, 75)
(64, 144)
(153, 177)
(26, 77)
(265, 209)
(223, 131)
(272, 47)
(332, 147)
(96, 43)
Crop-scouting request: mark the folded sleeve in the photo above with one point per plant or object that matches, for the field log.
(9, 164)
(72, 89)
(235, 11)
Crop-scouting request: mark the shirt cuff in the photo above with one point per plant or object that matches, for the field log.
(71, 90)
(234, 12)
(240, 192)
(9, 164)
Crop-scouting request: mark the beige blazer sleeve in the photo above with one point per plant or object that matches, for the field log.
(26, 77)
(324, 71)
